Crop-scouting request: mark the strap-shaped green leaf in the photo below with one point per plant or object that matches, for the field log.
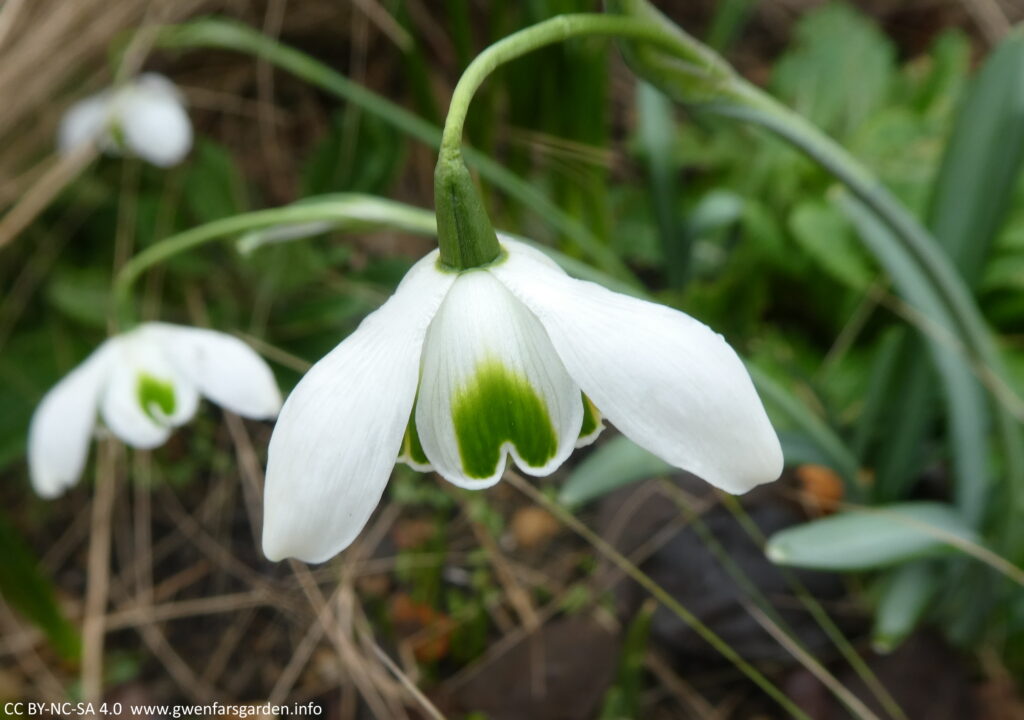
(24, 587)
(872, 538)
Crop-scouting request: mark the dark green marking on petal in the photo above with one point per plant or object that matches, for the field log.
(412, 449)
(152, 392)
(591, 417)
(499, 406)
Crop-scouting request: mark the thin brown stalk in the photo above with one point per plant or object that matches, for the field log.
(63, 170)
(98, 582)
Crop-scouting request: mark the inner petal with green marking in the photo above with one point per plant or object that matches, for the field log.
(156, 397)
(499, 408)
(492, 385)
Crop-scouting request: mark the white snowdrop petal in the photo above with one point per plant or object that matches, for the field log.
(492, 385)
(153, 121)
(222, 367)
(667, 381)
(341, 429)
(145, 397)
(84, 122)
(62, 425)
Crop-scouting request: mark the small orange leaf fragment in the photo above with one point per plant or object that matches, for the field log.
(821, 488)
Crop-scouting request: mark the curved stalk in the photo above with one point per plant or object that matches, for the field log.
(465, 234)
(357, 212)
(223, 34)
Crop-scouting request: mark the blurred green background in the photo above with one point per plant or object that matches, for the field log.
(479, 596)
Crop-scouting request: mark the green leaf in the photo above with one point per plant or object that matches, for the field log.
(360, 153)
(620, 462)
(982, 161)
(656, 137)
(907, 593)
(624, 698)
(871, 538)
(81, 294)
(785, 408)
(949, 64)
(839, 68)
(729, 20)
(26, 589)
(613, 464)
(214, 186)
(825, 236)
(967, 408)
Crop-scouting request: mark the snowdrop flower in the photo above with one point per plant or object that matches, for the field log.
(457, 371)
(145, 117)
(143, 384)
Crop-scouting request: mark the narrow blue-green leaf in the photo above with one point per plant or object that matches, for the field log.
(793, 412)
(872, 538)
(728, 21)
(800, 449)
(613, 464)
(30, 593)
(907, 593)
(901, 406)
(620, 462)
(656, 136)
(982, 160)
(966, 406)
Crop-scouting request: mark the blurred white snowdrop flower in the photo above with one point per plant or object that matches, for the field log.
(457, 371)
(144, 117)
(143, 384)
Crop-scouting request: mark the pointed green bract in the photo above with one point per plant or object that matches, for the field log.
(591, 418)
(412, 449)
(498, 406)
(152, 392)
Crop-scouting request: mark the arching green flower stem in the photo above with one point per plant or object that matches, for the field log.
(465, 235)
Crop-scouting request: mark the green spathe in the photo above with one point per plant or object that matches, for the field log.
(498, 406)
(155, 394)
(465, 235)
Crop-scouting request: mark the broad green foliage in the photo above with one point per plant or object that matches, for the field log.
(839, 69)
(825, 238)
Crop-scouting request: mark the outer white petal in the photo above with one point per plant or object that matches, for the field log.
(62, 425)
(522, 248)
(85, 122)
(340, 430)
(667, 381)
(136, 357)
(483, 336)
(154, 122)
(222, 367)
